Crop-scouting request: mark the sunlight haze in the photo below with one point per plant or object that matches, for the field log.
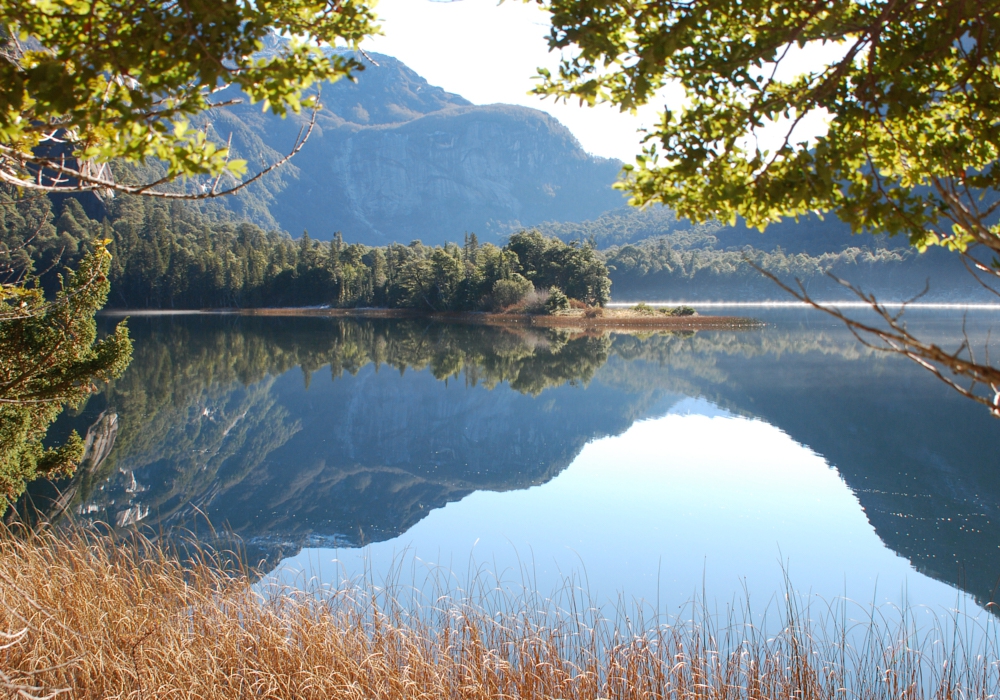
(490, 53)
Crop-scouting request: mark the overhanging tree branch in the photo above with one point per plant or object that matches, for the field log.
(895, 338)
(80, 180)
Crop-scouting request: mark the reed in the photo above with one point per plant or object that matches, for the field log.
(86, 616)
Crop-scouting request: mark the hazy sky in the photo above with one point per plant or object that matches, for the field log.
(489, 53)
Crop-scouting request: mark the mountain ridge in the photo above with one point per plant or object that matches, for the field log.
(394, 158)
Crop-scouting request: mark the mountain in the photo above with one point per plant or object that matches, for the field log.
(652, 255)
(393, 158)
(811, 234)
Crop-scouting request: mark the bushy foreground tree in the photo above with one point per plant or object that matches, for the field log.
(912, 102)
(49, 357)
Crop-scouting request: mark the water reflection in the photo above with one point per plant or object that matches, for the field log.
(317, 433)
(696, 504)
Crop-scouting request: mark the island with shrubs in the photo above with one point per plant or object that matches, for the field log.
(533, 279)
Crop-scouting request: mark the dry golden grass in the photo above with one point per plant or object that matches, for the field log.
(86, 617)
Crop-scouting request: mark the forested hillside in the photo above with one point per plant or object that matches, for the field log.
(652, 255)
(182, 255)
(624, 225)
(393, 160)
(177, 255)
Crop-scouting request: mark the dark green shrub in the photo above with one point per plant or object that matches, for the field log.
(507, 292)
(557, 301)
(683, 311)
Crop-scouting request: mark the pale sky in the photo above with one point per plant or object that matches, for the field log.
(488, 53)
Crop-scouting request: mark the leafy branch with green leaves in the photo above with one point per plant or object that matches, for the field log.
(911, 105)
(87, 82)
(50, 357)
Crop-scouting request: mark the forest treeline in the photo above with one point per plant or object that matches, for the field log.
(176, 255)
(181, 255)
(687, 254)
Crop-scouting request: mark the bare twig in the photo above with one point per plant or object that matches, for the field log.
(896, 338)
(975, 266)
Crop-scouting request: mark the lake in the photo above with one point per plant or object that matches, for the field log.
(652, 467)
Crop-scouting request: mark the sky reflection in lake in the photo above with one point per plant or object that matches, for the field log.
(697, 501)
(627, 459)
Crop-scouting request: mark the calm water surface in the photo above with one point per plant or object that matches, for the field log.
(653, 467)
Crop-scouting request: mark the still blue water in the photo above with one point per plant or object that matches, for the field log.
(653, 467)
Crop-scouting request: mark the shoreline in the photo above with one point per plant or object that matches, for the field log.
(974, 306)
(611, 318)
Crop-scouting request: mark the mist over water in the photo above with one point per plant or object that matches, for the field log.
(914, 306)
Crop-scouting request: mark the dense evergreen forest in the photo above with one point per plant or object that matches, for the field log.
(653, 255)
(626, 225)
(690, 265)
(183, 255)
(177, 255)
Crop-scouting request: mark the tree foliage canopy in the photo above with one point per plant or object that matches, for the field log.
(913, 106)
(50, 357)
(85, 82)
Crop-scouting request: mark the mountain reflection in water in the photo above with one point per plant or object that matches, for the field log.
(294, 432)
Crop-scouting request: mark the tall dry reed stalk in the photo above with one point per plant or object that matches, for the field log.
(85, 616)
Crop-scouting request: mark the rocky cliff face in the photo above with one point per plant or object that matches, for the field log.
(392, 158)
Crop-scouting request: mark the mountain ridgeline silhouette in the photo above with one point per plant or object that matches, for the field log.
(393, 158)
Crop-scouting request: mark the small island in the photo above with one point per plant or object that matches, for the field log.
(640, 317)
(533, 280)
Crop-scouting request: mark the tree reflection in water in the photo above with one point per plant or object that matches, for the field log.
(211, 419)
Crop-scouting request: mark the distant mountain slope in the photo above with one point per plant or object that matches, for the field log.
(393, 158)
(810, 235)
(653, 255)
